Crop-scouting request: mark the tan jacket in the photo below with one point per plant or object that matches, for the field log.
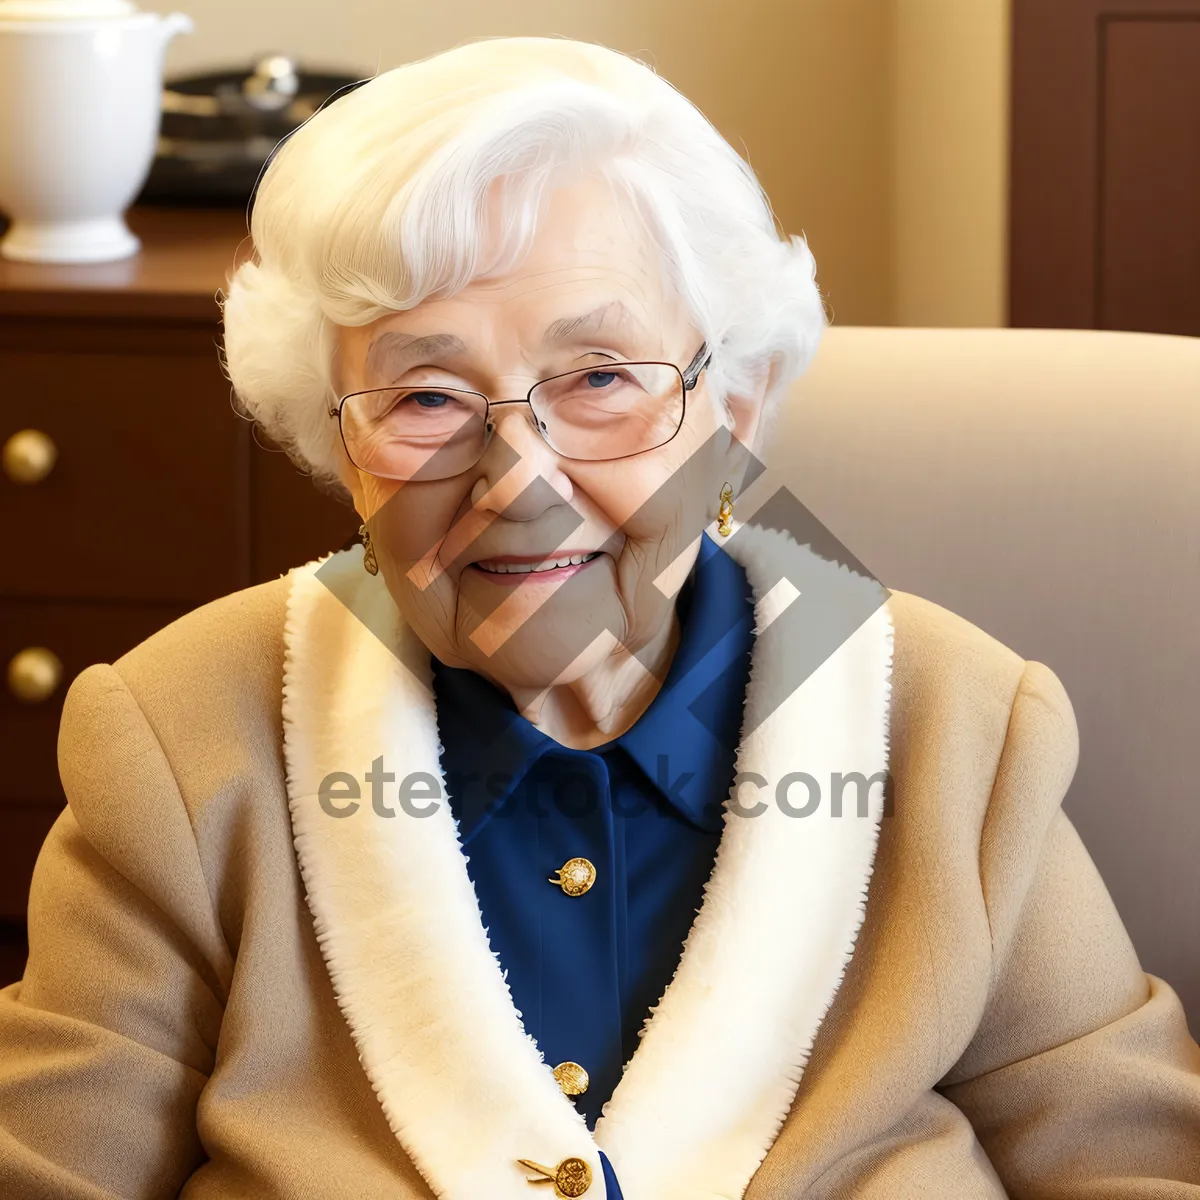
(231, 993)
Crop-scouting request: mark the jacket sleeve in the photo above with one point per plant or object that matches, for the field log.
(1082, 1081)
(107, 1041)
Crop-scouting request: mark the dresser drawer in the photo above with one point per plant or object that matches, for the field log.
(147, 496)
(77, 635)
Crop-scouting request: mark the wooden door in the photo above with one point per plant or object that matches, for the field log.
(1105, 156)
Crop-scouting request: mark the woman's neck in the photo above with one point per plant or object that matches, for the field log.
(606, 700)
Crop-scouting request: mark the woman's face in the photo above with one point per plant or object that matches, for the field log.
(470, 559)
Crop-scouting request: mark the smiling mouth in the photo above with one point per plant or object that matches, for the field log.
(518, 566)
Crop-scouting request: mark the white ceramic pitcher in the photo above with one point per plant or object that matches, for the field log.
(80, 98)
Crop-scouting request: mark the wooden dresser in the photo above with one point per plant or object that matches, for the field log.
(131, 491)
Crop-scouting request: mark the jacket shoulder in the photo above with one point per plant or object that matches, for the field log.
(174, 745)
(966, 708)
(956, 687)
(932, 641)
(943, 659)
(207, 688)
(241, 633)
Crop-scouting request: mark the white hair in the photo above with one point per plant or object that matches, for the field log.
(376, 203)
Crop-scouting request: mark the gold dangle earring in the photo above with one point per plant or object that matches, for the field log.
(726, 513)
(370, 565)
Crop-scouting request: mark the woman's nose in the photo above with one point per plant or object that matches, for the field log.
(520, 475)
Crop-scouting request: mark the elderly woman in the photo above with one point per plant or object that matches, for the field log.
(540, 846)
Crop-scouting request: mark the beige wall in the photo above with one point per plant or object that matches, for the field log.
(839, 105)
(949, 146)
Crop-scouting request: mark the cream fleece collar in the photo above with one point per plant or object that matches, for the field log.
(464, 1089)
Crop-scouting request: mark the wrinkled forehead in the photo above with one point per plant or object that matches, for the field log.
(591, 276)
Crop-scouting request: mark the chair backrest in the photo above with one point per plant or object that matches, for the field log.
(1045, 485)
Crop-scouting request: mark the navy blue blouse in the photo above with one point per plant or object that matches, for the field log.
(644, 811)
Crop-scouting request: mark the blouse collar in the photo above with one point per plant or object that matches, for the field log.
(684, 743)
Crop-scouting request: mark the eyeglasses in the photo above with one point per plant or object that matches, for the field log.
(600, 413)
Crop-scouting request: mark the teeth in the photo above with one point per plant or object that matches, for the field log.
(549, 564)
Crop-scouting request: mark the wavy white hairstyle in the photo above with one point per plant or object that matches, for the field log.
(376, 203)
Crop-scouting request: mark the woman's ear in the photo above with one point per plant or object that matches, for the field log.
(745, 411)
(352, 482)
(340, 383)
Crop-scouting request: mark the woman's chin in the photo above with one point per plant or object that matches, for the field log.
(551, 646)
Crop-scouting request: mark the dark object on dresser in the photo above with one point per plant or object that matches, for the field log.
(218, 128)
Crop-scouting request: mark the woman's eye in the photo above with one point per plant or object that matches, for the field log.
(600, 379)
(429, 399)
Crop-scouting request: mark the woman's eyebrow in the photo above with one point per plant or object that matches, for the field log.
(392, 351)
(568, 329)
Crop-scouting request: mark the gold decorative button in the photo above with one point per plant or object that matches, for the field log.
(572, 1177)
(572, 1078)
(575, 876)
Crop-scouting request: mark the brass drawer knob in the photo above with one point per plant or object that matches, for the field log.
(29, 456)
(34, 674)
